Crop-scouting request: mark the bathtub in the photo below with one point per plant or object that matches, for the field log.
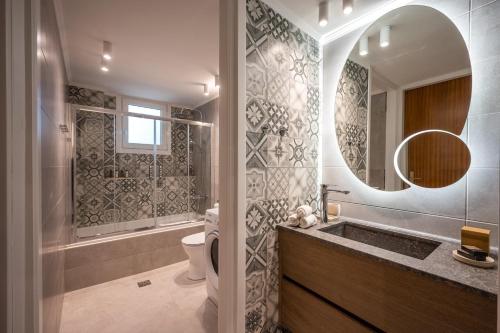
(99, 260)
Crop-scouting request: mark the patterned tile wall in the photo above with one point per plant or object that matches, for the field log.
(282, 112)
(351, 118)
(116, 187)
(89, 97)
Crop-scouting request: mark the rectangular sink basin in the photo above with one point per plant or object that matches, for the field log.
(407, 245)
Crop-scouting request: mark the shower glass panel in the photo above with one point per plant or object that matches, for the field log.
(201, 175)
(133, 172)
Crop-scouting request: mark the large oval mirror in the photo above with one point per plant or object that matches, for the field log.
(409, 72)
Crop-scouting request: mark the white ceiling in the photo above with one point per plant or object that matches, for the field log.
(166, 49)
(425, 44)
(304, 13)
(162, 49)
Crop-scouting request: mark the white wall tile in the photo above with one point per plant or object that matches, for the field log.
(485, 29)
(485, 86)
(431, 224)
(483, 195)
(478, 3)
(448, 201)
(484, 140)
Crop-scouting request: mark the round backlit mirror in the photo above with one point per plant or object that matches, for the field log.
(409, 72)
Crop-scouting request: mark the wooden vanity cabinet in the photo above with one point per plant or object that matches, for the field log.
(327, 288)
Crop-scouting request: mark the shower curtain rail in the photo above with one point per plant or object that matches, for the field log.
(138, 115)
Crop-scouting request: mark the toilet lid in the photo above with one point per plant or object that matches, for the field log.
(194, 239)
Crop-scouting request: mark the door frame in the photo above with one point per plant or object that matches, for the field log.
(22, 167)
(232, 60)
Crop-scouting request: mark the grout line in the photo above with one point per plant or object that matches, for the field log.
(400, 210)
(481, 6)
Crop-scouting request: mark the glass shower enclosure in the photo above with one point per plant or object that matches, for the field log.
(138, 170)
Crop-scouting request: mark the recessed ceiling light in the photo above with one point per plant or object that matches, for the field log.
(107, 50)
(205, 89)
(217, 82)
(104, 66)
(363, 46)
(323, 13)
(347, 6)
(385, 36)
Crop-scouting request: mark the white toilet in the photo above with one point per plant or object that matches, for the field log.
(194, 245)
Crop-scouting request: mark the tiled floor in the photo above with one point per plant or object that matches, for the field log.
(172, 304)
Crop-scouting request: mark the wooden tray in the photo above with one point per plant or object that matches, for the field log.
(489, 263)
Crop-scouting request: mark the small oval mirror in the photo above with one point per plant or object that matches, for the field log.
(409, 72)
(432, 159)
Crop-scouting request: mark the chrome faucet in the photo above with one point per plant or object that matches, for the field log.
(324, 200)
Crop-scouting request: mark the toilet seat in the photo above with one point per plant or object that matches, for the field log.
(194, 239)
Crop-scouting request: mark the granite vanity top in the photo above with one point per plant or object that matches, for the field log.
(439, 264)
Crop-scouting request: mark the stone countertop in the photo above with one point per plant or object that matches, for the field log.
(439, 264)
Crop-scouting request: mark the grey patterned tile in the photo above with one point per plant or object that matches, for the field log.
(256, 81)
(255, 317)
(256, 13)
(256, 218)
(277, 211)
(278, 118)
(298, 66)
(256, 287)
(278, 56)
(277, 26)
(256, 254)
(109, 102)
(298, 96)
(351, 101)
(84, 96)
(257, 114)
(277, 180)
(278, 151)
(298, 187)
(299, 123)
(303, 153)
(313, 49)
(278, 88)
(298, 40)
(256, 184)
(256, 156)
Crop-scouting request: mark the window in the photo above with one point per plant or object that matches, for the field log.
(140, 135)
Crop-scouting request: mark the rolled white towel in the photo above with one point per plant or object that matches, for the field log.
(293, 220)
(304, 210)
(308, 221)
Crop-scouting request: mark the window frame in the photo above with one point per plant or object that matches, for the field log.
(122, 125)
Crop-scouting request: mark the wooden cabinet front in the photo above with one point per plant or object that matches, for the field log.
(386, 296)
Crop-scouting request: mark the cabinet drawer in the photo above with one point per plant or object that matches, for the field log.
(302, 311)
(389, 297)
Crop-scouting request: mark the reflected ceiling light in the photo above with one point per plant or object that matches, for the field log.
(385, 36)
(104, 65)
(205, 89)
(347, 6)
(323, 13)
(217, 82)
(107, 50)
(363, 46)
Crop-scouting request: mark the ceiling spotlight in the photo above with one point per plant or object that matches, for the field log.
(104, 65)
(347, 6)
(107, 50)
(217, 82)
(205, 89)
(385, 36)
(323, 13)
(363, 46)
